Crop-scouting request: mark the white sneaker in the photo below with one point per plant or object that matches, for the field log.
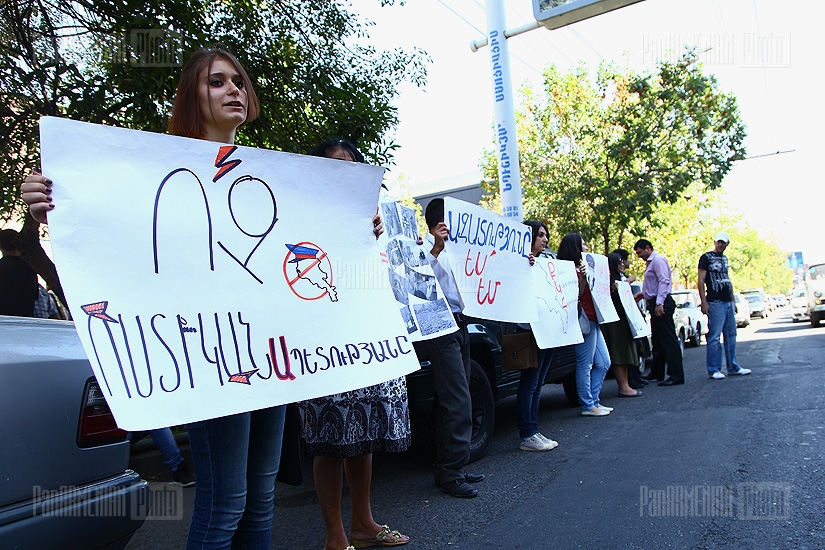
(719, 376)
(547, 441)
(596, 411)
(740, 371)
(533, 443)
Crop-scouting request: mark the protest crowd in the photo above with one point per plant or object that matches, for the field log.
(236, 458)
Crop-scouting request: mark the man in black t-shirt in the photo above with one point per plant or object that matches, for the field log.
(18, 281)
(716, 293)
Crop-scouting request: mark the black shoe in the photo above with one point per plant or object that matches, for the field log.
(182, 476)
(651, 379)
(473, 478)
(669, 382)
(638, 386)
(459, 488)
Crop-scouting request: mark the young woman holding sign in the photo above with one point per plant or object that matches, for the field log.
(617, 335)
(532, 380)
(592, 357)
(343, 430)
(236, 457)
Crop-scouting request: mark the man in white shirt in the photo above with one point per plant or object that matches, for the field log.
(449, 356)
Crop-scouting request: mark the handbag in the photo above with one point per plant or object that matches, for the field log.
(519, 350)
(584, 322)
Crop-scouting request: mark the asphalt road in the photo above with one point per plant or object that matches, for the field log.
(735, 463)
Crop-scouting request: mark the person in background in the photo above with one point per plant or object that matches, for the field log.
(592, 357)
(532, 380)
(18, 281)
(44, 307)
(366, 421)
(716, 294)
(656, 287)
(165, 442)
(634, 377)
(236, 457)
(617, 335)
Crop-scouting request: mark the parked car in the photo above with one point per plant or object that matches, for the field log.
(743, 310)
(689, 302)
(799, 305)
(757, 305)
(815, 287)
(65, 480)
(488, 384)
(781, 300)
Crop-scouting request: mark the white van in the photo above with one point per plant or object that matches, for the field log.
(815, 284)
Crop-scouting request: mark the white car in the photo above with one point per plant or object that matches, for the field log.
(688, 301)
(743, 310)
(799, 305)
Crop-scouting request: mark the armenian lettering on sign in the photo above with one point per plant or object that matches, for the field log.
(489, 255)
(207, 279)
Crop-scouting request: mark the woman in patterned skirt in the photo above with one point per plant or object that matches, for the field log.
(343, 430)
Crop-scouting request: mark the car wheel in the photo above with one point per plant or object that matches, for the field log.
(697, 336)
(484, 412)
(815, 319)
(570, 392)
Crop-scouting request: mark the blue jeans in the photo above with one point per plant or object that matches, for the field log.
(592, 362)
(236, 460)
(721, 321)
(529, 394)
(165, 442)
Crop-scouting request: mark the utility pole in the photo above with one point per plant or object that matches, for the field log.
(551, 15)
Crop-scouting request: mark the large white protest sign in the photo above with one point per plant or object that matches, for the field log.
(557, 295)
(421, 301)
(598, 277)
(208, 279)
(638, 327)
(489, 255)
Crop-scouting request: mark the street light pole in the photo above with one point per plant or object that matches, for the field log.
(509, 175)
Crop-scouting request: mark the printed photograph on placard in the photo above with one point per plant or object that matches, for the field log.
(408, 221)
(426, 313)
(392, 220)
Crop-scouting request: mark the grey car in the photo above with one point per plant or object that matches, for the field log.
(64, 477)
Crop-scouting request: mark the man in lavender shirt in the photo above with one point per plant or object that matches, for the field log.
(656, 288)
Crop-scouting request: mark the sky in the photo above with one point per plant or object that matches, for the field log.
(767, 53)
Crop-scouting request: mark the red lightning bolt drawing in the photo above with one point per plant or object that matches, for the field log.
(223, 165)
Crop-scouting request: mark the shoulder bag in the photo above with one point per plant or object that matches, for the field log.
(519, 350)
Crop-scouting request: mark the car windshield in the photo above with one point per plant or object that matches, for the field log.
(753, 298)
(817, 272)
(683, 299)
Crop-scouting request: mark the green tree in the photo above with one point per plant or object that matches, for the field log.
(599, 158)
(685, 230)
(118, 63)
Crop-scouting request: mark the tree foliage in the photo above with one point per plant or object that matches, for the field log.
(599, 158)
(685, 230)
(118, 63)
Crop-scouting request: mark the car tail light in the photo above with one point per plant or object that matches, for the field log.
(97, 424)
